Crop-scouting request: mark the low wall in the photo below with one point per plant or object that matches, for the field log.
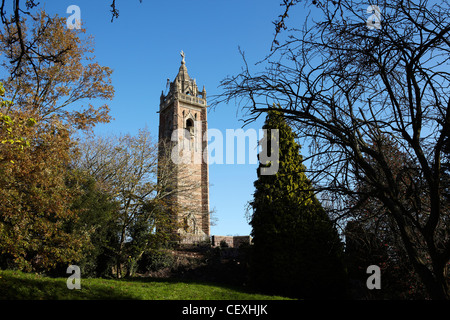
(193, 239)
(231, 241)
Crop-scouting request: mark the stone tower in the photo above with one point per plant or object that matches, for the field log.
(182, 120)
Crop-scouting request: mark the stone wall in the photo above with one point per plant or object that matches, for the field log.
(231, 241)
(187, 238)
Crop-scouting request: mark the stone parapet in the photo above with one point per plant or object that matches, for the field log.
(231, 241)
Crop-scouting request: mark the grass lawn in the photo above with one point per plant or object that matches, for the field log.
(19, 285)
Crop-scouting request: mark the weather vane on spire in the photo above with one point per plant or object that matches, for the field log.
(182, 56)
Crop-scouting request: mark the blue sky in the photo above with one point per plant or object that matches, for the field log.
(143, 48)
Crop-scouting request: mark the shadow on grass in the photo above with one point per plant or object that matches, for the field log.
(188, 281)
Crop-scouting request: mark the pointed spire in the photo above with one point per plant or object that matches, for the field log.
(183, 63)
(182, 75)
(184, 84)
(204, 92)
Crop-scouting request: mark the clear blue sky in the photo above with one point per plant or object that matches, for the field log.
(143, 48)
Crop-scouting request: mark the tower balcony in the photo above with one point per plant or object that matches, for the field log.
(192, 99)
(171, 97)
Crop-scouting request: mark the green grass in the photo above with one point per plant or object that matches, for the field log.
(19, 285)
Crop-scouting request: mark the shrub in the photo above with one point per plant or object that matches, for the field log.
(155, 260)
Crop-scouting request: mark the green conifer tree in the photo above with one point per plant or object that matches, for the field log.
(297, 250)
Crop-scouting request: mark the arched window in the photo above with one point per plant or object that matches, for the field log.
(190, 126)
(189, 134)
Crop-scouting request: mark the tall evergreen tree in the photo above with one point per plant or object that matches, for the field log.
(297, 250)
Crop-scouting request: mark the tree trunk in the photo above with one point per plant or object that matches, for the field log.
(119, 253)
(433, 280)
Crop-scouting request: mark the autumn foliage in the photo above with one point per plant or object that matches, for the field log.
(35, 200)
(40, 110)
(55, 86)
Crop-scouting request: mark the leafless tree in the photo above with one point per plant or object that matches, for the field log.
(129, 169)
(347, 86)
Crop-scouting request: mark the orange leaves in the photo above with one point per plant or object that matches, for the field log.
(35, 199)
(46, 85)
(84, 119)
(58, 73)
